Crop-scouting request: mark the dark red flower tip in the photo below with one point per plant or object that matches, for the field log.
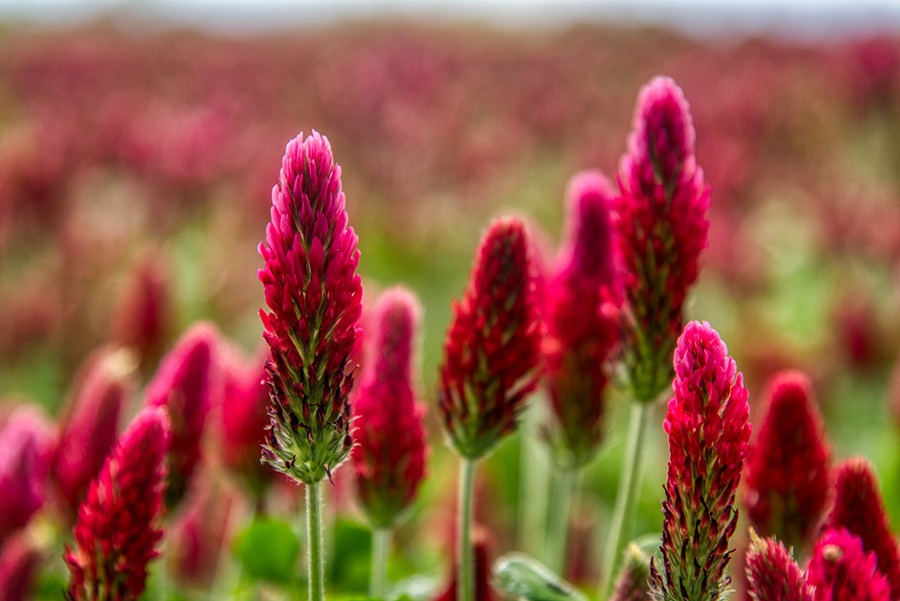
(787, 482)
(662, 227)
(187, 381)
(117, 530)
(708, 429)
(390, 451)
(581, 300)
(492, 347)
(841, 570)
(633, 583)
(859, 508)
(315, 299)
(91, 423)
(772, 574)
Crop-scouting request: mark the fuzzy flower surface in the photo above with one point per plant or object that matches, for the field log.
(841, 570)
(492, 347)
(187, 381)
(709, 432)
(118, 528)
(389, 455)
(581, 300)
(772, 574)
(662, 227)
(787, 480)
(859, 508)
(314, 295)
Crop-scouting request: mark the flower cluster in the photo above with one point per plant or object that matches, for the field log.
(773, 574)
(841, 570)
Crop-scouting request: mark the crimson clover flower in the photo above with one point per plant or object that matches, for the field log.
(842, 570)
(314, 297)
(772, 574)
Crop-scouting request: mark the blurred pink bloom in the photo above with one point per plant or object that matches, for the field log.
(841, 570)
(19, 563)
(142, 315)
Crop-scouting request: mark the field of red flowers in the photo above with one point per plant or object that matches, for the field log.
(136, 175)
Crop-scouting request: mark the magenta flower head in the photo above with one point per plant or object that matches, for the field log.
(91, 424)
(315, 299)
(187, 381)
(390, 450)
(117, 531)
(26, 453)
(19, 563)
(772, 574)
(859, 508)
(662, 227)
(787, 477)
(581, 304)
(841, 570)
(709, 432)
(492, 347)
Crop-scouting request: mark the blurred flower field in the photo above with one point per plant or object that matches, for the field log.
(136, 174)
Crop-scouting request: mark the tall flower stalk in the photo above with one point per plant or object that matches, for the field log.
(661, 225)
(314, 295)
(389, 454)
(491, 358)
(709, 432)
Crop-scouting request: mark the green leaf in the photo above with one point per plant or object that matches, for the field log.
(268, 550)
(348, 567)
(522, 577)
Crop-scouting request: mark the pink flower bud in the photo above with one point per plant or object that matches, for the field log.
(708, 428)
(662, 228)
(141, 318)
(581, 304)
(314, 295)
(390, 450)
(187, 381)
(90, 427)
(841, 570)
(859, 508)
(633, 583)
(787, 475)
(492, 347)
(117, 529)
(772, 574)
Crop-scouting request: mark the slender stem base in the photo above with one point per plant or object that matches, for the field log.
(316, 556)
(558, 527)
(623, 515)
(381, 546)
(465, 582)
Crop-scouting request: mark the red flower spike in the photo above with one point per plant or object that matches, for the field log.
(772, 574)
(143, 312)
(315, 298)
(187, 381)
(633, 583)
(91, 426)
(709, 432)
(581, 304)
(26, 452)
(841, 570)
(859, 508)
(787, 474)
(19, 563)
(117, 531)
(389, 454)
(662, 227)
(492, 347)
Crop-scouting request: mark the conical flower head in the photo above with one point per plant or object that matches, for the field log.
(662, 227)
(633, 583)
(787, 475)
(580, 305)
(859, 508)
(117, 531)
(841, 570)
(187, 381)
(708, 428)
(314, 295)
(772, 574)
(389, 454)
(91, 426)
(492, 347)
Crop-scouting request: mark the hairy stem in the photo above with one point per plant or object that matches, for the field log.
(466, 576)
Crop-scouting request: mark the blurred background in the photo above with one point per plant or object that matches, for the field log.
(139, 142)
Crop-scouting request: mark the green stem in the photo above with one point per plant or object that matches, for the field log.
(465, 590)
(534, 474)
(626, 498)
(560, 512)
(314, 535)
(381, 546)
